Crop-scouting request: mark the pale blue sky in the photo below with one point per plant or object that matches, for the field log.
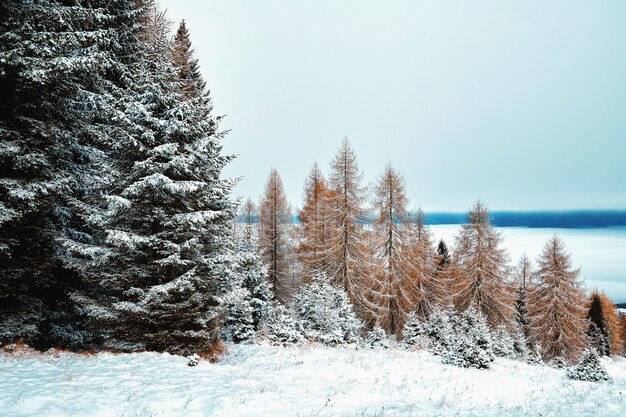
(521, 104)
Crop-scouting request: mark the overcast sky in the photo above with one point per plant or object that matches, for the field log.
(521, 104)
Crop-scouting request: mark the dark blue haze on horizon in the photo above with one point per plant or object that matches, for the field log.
(582, 219)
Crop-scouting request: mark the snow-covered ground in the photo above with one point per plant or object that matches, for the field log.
(257, 380)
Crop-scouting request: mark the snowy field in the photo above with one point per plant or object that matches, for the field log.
(599, 252)
(309, 381)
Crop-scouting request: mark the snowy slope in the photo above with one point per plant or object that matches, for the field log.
(310, 381)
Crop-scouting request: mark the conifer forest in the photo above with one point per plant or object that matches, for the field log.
(136, 280)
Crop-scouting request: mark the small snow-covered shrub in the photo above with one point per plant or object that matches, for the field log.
(472, 345)
(377, 339)
(325, 314)
(520, 344)
(248, 294)
(193, 360)
(413, 333)
(279, 327)
(534, 355)
(558, 362)
(599, 337)
(10, 347)
(239, 324)
(503, 344)
(439, 331)
(589, 368)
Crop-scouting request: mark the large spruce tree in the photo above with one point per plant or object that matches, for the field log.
(158, 254)
(55, 58)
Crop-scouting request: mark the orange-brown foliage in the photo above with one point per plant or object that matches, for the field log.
(623, 327)
(274, 235)
(215, 353)
(348, 260)
(556, 305)
(481, 269)
(611, 322)
(315, 218)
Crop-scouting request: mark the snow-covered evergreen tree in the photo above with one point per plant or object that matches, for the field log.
(443, 254)
(440, 332)
(503, 343)
(534, 355)
(239, 324)
(248, 302)
(522, 278)
(599, 339)
(558, 363)
(413, 333)
(279, 327)
(589, 368)
(325, 313)
(252, 275)
(159, 256)
(520, 341)
(472, 346)
(377, 339)
(57, 63)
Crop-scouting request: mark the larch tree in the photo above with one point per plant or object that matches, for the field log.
(429, 282)
(612, 319)
(482, 269)
(249, 216)
(274, 236)
(396, 287)
(557, 305)
(314, 248)
(348, 260)
(623, 327)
